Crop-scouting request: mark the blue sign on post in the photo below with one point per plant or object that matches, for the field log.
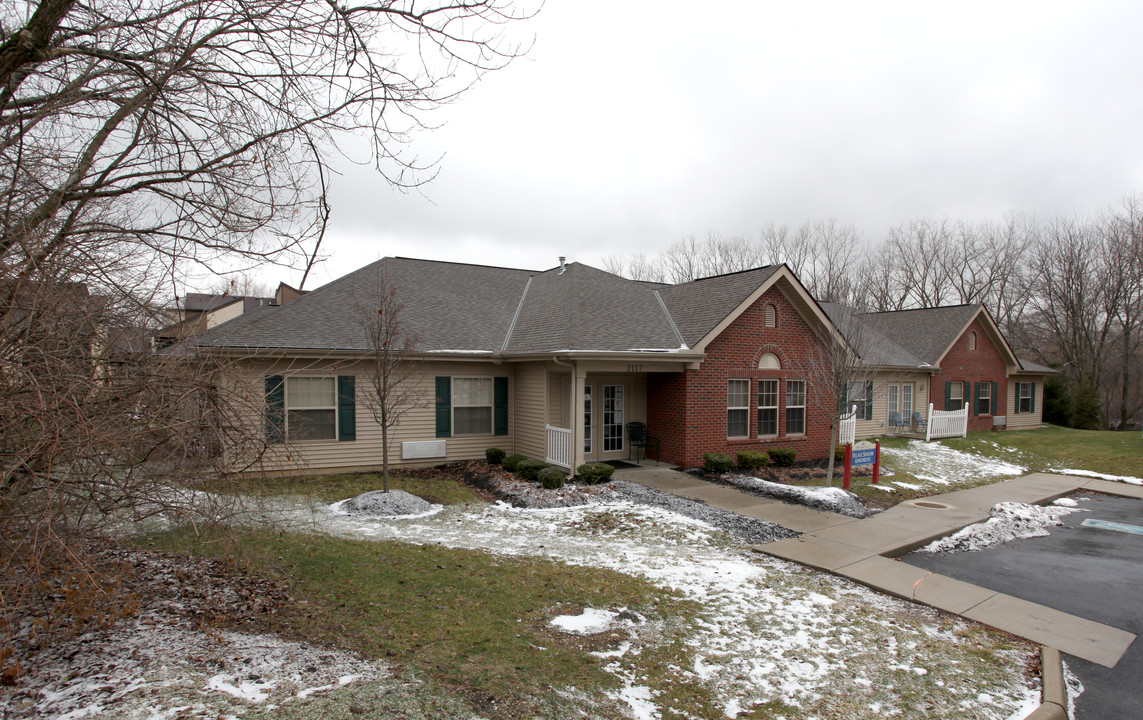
(864, 456)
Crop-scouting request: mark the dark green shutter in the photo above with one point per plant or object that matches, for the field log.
(843, 398)
(1032, 403)
(948, 396)
(444, 406)
(1016, 395)
(346, 409)
(275, 409)
(869, 400)
(995, 399)
(500, 406)
(976, 399)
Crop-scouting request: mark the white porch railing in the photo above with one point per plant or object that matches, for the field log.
(847, 428)
(559, 446)
(946, 423)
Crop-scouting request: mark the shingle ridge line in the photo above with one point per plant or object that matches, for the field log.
(516, 315)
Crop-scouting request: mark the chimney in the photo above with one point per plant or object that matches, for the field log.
(563, 265)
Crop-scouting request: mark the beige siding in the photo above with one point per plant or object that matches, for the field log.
(531, 409)
(559, 398)
(418, 424)
(879, 425)
(1025, 421)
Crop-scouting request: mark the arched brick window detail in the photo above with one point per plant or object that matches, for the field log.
(769, 361)
(972, 341)
(771, 316)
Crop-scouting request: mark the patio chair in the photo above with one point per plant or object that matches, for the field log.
(637, 437)
(918, 421)
(896, 422)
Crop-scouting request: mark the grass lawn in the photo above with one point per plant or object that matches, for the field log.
(331, 488)
(1057, 448)
(472, 622)
(922, 469)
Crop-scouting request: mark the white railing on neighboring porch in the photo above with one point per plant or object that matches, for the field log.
(946, 423)
(847, 428)
(559, 446)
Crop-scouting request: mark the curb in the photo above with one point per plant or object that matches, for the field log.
(1054, 691)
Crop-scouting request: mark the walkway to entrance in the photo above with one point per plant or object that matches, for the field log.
(863, 550)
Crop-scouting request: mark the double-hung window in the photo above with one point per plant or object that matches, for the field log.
(983, 398)
(767, 408)
(311, 408)
(1026, 394)
(472, 406)
(737, 408)
(955, 395)
(795, 407)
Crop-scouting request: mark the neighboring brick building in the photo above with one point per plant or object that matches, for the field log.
(557, 364)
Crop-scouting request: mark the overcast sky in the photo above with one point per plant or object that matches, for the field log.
(632, 124)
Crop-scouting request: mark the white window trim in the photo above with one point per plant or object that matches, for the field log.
(774, 407)
(1020, 396)
(621, 411)
(802, 407)
(984, 393)
(288, 407)
(744, 408)
(953, 397)
(491, 405)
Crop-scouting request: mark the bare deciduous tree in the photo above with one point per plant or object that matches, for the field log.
(843, 367)
(394, 388)
(145, 141)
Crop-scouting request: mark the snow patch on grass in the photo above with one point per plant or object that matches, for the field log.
(940, 465)
(830, 499)
(767, 633)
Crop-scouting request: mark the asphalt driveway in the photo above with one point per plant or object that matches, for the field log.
(1093, 570)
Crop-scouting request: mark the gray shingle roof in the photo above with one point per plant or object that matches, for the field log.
(474, 308)
(698, 306)
(874, 346)
(583, 308)
(925, 332)
(1033, 367)
(449, 305)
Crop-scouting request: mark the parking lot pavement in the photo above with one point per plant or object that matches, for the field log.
(1093, 570)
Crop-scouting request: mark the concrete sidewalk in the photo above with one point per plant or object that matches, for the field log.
(862, 550)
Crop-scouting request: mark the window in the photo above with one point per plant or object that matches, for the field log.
(769, 361)
(983, 398)
(472, 406)
(1025, 397)
(972, 341)
(894, 404)
(859, 394)
(954, 395)
(737, 408)
(311, 408)
(795, 407)
(767, 407)
(771, 316)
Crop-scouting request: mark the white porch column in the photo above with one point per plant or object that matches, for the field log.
(579, 380)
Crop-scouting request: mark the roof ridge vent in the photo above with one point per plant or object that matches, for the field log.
(563, 265)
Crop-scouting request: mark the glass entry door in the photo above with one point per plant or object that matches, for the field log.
(612, 418)
(604, 421)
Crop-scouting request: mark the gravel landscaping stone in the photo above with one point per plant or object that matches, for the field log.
(379, 503)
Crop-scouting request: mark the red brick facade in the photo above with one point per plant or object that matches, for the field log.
(984, 364)
(688, 410)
